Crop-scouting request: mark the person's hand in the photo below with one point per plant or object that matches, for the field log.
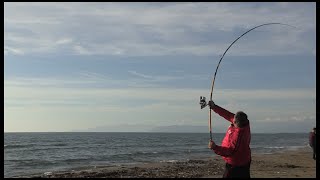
(211, 145)
(211, 104)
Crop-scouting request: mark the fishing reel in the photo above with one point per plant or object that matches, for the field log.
(203, 102)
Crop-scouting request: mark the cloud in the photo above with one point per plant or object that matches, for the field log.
(143, 80)
(144, 29)
(140, 75)
(291, 117)
(88, 75)
(9, 50)
(63, 41)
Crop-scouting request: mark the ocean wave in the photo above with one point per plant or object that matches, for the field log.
(47, 173)
(139, 155)
(76, 160)
(275, 147)
(58, 144)
(53, 148)
(170, 161)
(153, 152)
(31, 162)
(12, 146)
(296, 147)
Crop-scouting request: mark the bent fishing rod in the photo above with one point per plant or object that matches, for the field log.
(203, 102)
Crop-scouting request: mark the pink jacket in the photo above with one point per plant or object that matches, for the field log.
(235, 147)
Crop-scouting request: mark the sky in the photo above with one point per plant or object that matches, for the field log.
(136, 66)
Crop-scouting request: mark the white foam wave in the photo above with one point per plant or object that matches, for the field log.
(170, 161)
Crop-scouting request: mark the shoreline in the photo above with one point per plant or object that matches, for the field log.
(292, 163)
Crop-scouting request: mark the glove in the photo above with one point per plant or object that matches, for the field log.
(211, 104)
(211, 145)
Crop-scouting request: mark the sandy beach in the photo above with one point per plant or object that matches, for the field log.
(289, 164)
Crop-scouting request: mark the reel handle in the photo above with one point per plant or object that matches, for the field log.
(203, 102)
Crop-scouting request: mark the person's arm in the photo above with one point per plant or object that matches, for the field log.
(228, 151)
(223, 113)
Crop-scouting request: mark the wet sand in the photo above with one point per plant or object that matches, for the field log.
(289, 164)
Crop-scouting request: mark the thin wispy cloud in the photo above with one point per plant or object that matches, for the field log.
(63, 41)
(290, 118)
(140, 75)
(91, 75)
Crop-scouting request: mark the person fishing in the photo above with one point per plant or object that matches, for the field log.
(312, 142)
(235, 147)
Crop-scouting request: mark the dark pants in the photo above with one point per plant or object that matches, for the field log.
(237, 171)
(314, 151)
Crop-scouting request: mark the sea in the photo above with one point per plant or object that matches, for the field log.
(37, 153)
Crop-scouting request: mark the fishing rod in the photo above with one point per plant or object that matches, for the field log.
(203, 102)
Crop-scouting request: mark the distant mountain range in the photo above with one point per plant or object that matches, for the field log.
(256, 127)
